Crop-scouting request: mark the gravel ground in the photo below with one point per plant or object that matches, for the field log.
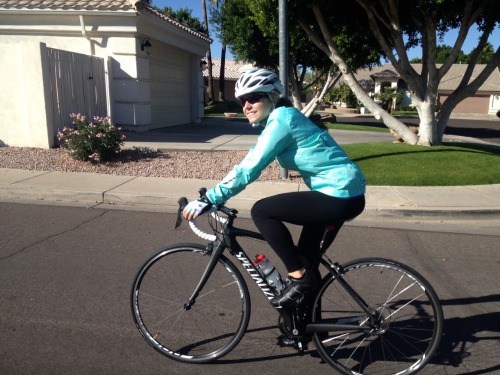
(212, 165)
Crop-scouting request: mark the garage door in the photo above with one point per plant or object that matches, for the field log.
(475, 104)
(170, 87)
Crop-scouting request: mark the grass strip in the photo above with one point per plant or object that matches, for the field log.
(451, 164)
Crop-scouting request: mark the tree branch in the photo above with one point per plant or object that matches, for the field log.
(468, 19)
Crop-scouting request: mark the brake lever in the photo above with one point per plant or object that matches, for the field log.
(202, 192)
(183, 202)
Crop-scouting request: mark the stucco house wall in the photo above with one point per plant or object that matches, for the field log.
(23, 88)
(146, 87)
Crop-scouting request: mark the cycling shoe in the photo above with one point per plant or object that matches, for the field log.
(296, 289)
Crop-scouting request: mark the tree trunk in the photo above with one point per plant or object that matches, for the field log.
(330, 49)
(426, 128)
(210, 77)
(442, 119)
(209, 55)
(222, 82)
(296, 90)
(318, 98)
(464, 90)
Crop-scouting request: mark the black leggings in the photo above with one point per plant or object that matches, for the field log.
(311, 209)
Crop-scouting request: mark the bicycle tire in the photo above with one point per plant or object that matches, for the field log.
(411, 319)
(211, 327)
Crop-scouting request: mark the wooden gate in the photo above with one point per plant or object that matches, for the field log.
(77, 84)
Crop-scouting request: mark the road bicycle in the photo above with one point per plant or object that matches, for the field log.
(368, 316)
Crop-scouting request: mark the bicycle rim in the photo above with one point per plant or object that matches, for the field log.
(408, 313)
(212, 327)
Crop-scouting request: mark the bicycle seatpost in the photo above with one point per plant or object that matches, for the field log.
(331, 231)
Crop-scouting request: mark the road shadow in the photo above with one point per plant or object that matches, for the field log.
(466, 343)
(462, 336)
(204, 132)
(483, 133)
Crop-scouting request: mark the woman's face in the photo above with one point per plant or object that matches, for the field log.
(256, 107)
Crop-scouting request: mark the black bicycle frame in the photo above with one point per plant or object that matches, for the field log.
(234, 247)
(229, 241)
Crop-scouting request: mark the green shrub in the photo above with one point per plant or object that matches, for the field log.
(96, 142)
(388, 96)
(343, 94)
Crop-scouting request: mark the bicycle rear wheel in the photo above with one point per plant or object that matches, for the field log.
(211, 327)
(407, 325)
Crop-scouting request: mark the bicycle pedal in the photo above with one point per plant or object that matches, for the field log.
(291, 342)
(301, 347)
(286, 341)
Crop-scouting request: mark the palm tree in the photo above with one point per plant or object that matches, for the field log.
(209, 55)
(222, 83)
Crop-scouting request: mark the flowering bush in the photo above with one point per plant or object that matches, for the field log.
(97, 141)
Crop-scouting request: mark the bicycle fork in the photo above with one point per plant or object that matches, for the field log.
(214, 258)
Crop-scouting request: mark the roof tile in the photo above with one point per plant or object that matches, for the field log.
(67, 4)
(123, 5)
(232, 69)
(157, 13)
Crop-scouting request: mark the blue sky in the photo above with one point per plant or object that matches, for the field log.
(195, 6)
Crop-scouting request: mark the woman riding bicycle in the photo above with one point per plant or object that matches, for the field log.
(337, 185)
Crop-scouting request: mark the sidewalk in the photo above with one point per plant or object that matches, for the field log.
(471, 202)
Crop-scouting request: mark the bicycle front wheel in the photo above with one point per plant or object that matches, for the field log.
(208, 329)
(403, 331)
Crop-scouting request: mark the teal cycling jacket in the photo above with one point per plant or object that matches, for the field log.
(298, 145)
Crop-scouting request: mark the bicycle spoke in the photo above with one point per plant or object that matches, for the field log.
(208, 328)
(403, 331)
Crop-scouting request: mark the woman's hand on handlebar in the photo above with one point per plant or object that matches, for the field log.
(196, 208)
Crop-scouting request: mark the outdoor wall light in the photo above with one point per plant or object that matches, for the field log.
(146, 44)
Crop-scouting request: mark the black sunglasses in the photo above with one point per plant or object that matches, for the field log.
(251, 98)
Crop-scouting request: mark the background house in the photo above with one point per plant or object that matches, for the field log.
(232, 71)
(120, 58)
(485, 101)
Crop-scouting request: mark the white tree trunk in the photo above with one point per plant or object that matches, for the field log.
(427, 124)
(309, 109)
(330, 49)
(297, 103)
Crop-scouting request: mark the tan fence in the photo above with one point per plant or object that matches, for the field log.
(77, 84)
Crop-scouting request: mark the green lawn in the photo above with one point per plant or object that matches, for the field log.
(448, 165)
(398, 164)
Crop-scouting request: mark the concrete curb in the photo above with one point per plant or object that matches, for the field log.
(384, 202)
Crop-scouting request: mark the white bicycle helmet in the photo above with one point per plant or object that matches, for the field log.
(258, 80)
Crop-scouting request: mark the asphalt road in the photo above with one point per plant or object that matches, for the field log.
(66, 274)
(488, 131)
